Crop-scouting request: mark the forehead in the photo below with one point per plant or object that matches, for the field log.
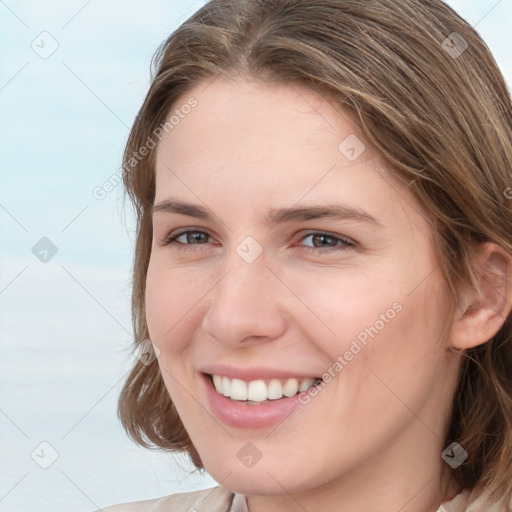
(262, 118)
(254, 142)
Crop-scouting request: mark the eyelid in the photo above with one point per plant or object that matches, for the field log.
(344, 245)
(346, 242)
(173, 235)
(343, 238)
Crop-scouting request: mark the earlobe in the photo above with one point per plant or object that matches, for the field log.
(484, 311)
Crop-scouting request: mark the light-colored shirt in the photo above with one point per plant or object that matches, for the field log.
(220, 499)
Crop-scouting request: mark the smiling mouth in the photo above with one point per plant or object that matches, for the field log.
(261, 391)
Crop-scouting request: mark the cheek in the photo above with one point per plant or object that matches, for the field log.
(374, 321)
(174, 299)
(404, 362)
(341, 308)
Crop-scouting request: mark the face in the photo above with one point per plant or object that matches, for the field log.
(298, 256)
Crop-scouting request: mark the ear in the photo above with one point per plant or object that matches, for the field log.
(483, 312)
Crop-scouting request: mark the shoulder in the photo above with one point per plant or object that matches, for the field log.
(480, 501)
(215, 499)
(475, 501)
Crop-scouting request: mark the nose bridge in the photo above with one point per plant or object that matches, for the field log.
(245, 302)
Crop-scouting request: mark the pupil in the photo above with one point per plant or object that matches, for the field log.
(323, 238)
(194, 237)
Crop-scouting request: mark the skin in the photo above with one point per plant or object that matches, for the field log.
(372, 438)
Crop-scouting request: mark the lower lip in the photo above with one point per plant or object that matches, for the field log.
(238, 414)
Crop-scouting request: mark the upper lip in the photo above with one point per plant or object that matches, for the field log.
(254, 372)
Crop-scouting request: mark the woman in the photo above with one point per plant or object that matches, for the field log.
(323, 260)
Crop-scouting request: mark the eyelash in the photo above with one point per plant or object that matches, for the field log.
(345, 242)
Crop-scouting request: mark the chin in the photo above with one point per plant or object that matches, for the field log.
(268, 479)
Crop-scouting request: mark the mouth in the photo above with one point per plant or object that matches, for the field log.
(260, 403)
(260, 391)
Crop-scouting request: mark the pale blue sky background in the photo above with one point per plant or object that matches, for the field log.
(65, 325)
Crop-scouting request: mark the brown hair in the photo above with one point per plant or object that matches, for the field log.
(441, 119)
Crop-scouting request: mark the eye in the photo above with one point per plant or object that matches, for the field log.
(331, 243)
(189, 237)
(322, 242)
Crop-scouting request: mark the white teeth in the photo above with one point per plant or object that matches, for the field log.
(226, 386)
(238, 390)
(258, 390)
(291, 387)
(217, 382)
(306, 384)
(275, 390)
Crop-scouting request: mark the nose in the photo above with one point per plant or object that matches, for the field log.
(247, 304)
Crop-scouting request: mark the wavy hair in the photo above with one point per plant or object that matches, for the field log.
(421, 85)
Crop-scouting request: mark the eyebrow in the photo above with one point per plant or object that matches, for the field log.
(275, 216)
